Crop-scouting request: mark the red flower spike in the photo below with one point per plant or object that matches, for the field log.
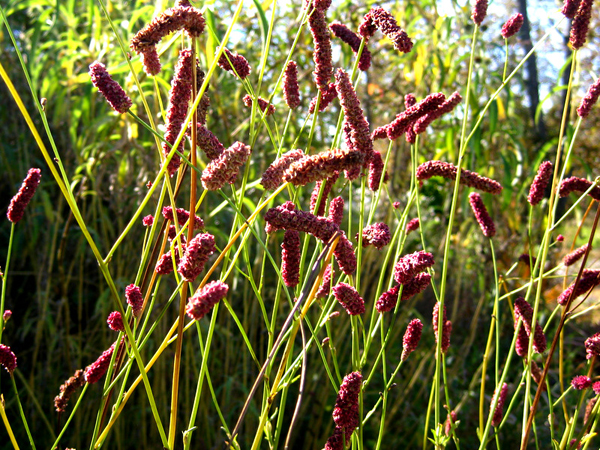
(273, 176)
(236, 64)
(411, 338)
(446, 328)
(467, 178)
(349, 299)
(574, 256)
(7, 358)
(512, 25)
(19, 202)
(116, 97)
(291, 92)
(498, 411)
(204, 301)
(290, 258)
(134, 298)
(481, 214)
(225, 169)
(409, 265)
(540, 182)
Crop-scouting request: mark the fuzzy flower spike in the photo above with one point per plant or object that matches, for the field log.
(540, 182)
(379, 18)
(226, 167)
(19, 202)
(7, 358)
(590, 99)
(201, 303)
(481, 214)
(467, 178)
(322, 53)
(512, 25)
(116, 97)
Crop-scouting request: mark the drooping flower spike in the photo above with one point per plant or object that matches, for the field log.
(67, 390)
(291, 92)
(273, 176)
(232, 62)
(343, 33)
(204, 301)
(575, 255)
(589, 100)
(116, 97)
(576, 184)
(467, 178)
(196, 255)
(379, 18)
(411, 338)
(322, 53)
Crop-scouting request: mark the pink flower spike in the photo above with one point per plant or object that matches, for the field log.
(196, 255)
(590, 278)
(336, 210)
(581, 382)
(540, 182)
(576, 184)
(19, 202)
(322, 53)
(570, 8)
(592, 346)
(581, 24)
(236, 64)
(325, 287)
(560, 238)
(116, 97)
(290, 258)
(446, 327)
(291, 92)
(345, 413)
(182, 217)
(481, 214)
(412, 225)
(115, 321)
(134, 298)
(6, 315)
(498, 411)
(377, 235)
(415, 286)
(343, 33)
(203, 302)
(148, 220)
(95, 371)
(409, 265)
(388, 26)
(7, 359)
(479, 11)
(273, 176)
(575, 255)
(411, 338)
(590, 99)
(388, 300)
(467, 178)
(349, 299)
(225, 169)
(263, 104)
(596, 387)
(512, 25)
(525, 311)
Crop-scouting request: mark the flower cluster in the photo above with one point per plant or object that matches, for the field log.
(581, 24)
(570, 8)
(327, 97)
(291, 93)
(498, 411)
(539, 184)
(263, 104)
(19, 202)
(336, 210)
(67, 390)
(345, 413)
(95, 371)
(314, 197)
(225, 168)
(7, 314)
(325, 287)
(446, 327)
(349, 299)
(208, 142)
(410, 265)
(377, 235)
(592, 346)
(512, 25)
(575, 255)
(116, 97)
(273, 176)
(115, 321)
(581, 382)
(203, 301)
(343, 33)
(196, 255)
(576, 184)
(447, 106)
(411, 338)
(450, 422)
(524, 311)
(590, 278)
(376, 166)
(322, 54)
(179, 98)
(321, 166)
(481, 214)
(416, 285)
(479, 11)
(590, 99)
(379, 18)
(467, 178)
(164, 265)
(7, 358)
(133, 296)
(412, 225)
(388, 300)
(290, 258)
(148, 220)
(182, 217)
(232, 62)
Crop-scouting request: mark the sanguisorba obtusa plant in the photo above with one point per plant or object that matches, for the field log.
(280, 246)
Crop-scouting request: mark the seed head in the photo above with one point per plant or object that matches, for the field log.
(321, 166)
(327, 97)
(336, 210)
(344, 255)
(574, 256)
(115, 321)
(150, 60)
(575, 184)
(446, 328)
(377, 235)
(380, 18)
(592, 346)
(263, 104)
(202, 302)
(19, 202)
(590, 99)
(232, 62)
(208, 142)
(524, 311)
(95, 371)
(164, 265)
(570, 8)
(273, 176)
(512, 25)
(412, 225)
(376, 166)
(581, 24)
(479, 11)
(343, 33)
(423, 122)
(322, 54)
(481, 214)
(182, 217)
(148, 220)
(467, 178)
(67, 390)
(196, 255)
(226, 167)
(416, 285)
(291, 92)
(290, 258)
(325, 287)
(590, 278)
(540, 182)
(326, 190)
(349, 299)
(411, 338)
(388, 300)
(345, 413)
(116, 97)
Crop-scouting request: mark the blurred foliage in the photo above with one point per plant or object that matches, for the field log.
(58, 297)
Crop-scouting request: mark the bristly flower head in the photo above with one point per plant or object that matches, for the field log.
(522, 342)
(336, 210)
(345, 413)
(411, 338)
(7, 358)
(116, 97)
(590, 278)
(322, 53)
(479, 11)
(236, 64)
(349, 299)
(321, 166)
(376, 166)
(67, 390)
(148, 220)
(481, 214)
(325, 287)
(226, 167)
(574, 256)
(182, 217)
(590, 99)
(388, 300)
(202, 302)
(290, 258)
(498, 411)
(592, 346)
(570, 8)
(164, 265)
(344, 255)
(377, 235)
(524, 311)
(409, 265)
(19, 202)
(560, 238)
(412, 225)
(467, 178)
(95, 371)
(150, 60)
(449, 104)
(512, 25)
(179, 98)
(446, 327)
(581, 382)
(343, 33)
(208, 142)
(596, 387)
(575, 184)
(134, 298)
(581, 24)
(115, 321)
(327, 97)
(273, 176)
(196, 255)
(540, 182)
(291, 92)
(263, 105)
(380, 18)
(415, 286)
